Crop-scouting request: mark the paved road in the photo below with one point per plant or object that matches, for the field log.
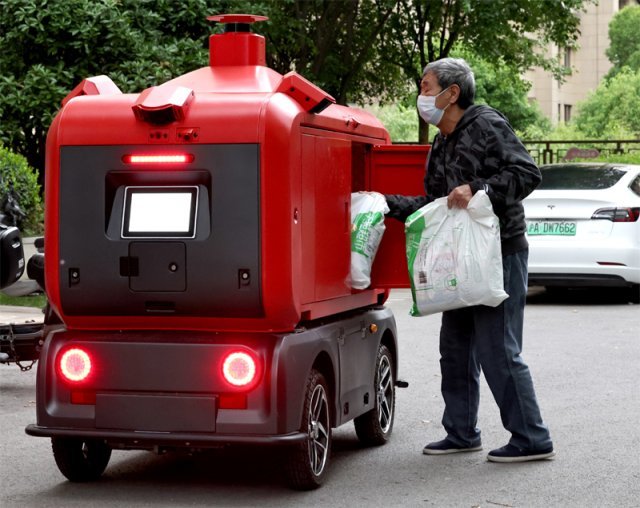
(583, 350)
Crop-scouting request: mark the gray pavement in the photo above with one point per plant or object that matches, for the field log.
(10, 314)
(583, 351)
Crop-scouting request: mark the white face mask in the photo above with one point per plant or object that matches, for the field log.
(428, 110)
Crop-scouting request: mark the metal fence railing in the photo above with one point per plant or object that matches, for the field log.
(547, 152)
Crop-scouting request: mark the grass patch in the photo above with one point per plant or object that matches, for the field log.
(38, 300)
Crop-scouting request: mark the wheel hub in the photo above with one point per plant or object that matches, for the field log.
(314, 432)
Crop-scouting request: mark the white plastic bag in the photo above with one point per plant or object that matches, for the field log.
(367, 227)
(454, 256)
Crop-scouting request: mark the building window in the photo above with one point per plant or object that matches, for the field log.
(559, 112)
(567, 113)
(567, 58)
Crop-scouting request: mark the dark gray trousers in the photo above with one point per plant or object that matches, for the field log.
(489, 339)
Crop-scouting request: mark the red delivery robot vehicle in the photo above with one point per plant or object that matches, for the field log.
(198, 253)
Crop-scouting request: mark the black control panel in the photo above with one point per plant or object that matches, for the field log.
(144, 233)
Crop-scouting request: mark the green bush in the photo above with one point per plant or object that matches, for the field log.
(622, 158)
(18, 177)
(400, 121)
(613, 108)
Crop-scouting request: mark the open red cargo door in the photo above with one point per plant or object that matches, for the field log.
(395, 169)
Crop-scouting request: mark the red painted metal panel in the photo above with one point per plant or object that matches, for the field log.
(309, 165)
(395, 169)
(326, 188)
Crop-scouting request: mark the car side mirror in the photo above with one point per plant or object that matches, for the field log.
(11, 256)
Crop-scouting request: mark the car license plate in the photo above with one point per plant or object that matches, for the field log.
(559, 228)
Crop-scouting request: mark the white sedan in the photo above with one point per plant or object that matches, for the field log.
(583, 226)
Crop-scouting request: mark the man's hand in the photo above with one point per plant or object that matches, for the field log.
(459, 197)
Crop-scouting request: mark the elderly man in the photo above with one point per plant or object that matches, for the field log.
(476, 149)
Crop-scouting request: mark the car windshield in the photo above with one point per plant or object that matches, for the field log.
(579, 176)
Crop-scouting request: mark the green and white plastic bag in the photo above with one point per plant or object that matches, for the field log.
(367, 228)
(454, 256)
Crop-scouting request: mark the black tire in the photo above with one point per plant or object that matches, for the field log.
(80, 460)
(306, 464)
(634, 293)
(374, 427)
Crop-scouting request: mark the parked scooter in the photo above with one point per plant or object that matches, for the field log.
(11, 252)
(19, 342)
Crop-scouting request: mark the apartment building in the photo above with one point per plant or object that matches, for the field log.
(588, 62)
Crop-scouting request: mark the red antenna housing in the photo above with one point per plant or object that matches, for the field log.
(237, 45)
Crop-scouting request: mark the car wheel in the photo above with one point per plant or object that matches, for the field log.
(374, 427)
(80, 460)
(634, 293)
(306, 464)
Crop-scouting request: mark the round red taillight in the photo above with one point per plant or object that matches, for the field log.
(75, 365)
(239, 369)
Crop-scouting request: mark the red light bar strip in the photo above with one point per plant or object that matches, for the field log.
(158, 159)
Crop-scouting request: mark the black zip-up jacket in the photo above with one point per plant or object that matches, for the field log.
(484, 152)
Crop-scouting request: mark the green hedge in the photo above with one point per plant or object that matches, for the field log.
(623, 158)
(16, 175)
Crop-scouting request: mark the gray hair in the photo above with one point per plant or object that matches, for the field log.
(454, 71)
